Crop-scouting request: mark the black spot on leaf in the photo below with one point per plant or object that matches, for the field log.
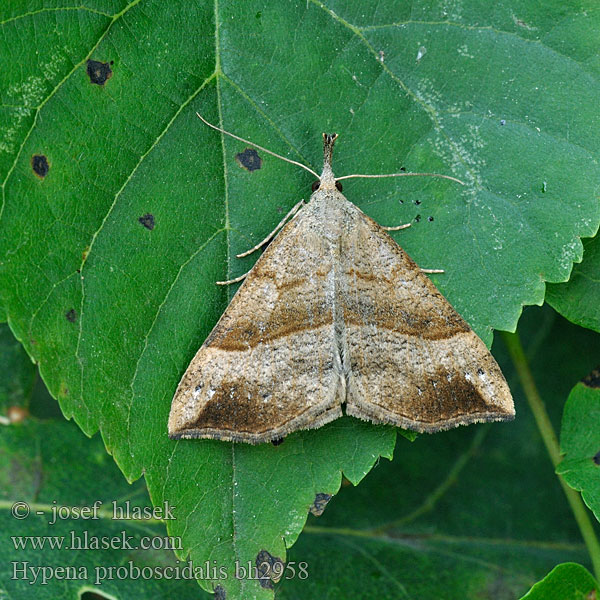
(502, 122)
(249, 159)
(593, 379)
(596, 458)
(99, 72)
(417, 202)
(94, 596)
(269, 569)
(417, 218)
(40, 166)
(319, 504)
(71, 316)
(147, 221)
(220, 593)
(430, 219)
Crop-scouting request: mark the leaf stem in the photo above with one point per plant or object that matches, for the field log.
(582, 517)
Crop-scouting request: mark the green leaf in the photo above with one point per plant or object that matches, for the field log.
(565, 582)
(577, 299)
(457, 515)
(17, 373)
(580, 441)
(120, 210)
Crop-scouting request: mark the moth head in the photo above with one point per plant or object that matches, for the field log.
(317, 184)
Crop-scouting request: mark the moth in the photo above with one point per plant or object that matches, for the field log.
(335, 314)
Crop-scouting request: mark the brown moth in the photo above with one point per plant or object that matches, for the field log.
(334, 312)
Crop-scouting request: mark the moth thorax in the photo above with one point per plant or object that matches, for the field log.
(327, 179)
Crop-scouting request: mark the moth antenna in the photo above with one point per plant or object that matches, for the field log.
(404, 175)
(237, 137)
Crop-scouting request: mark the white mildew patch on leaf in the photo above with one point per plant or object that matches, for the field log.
(22, 98)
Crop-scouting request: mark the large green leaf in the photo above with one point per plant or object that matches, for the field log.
(578, 298)
(110, 249)
(580, 440)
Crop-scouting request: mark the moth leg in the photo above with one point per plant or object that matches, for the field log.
(230, 281)
(432, 270)
(397, 227)
(270, 236)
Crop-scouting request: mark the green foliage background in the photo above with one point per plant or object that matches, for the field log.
(502, 97)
